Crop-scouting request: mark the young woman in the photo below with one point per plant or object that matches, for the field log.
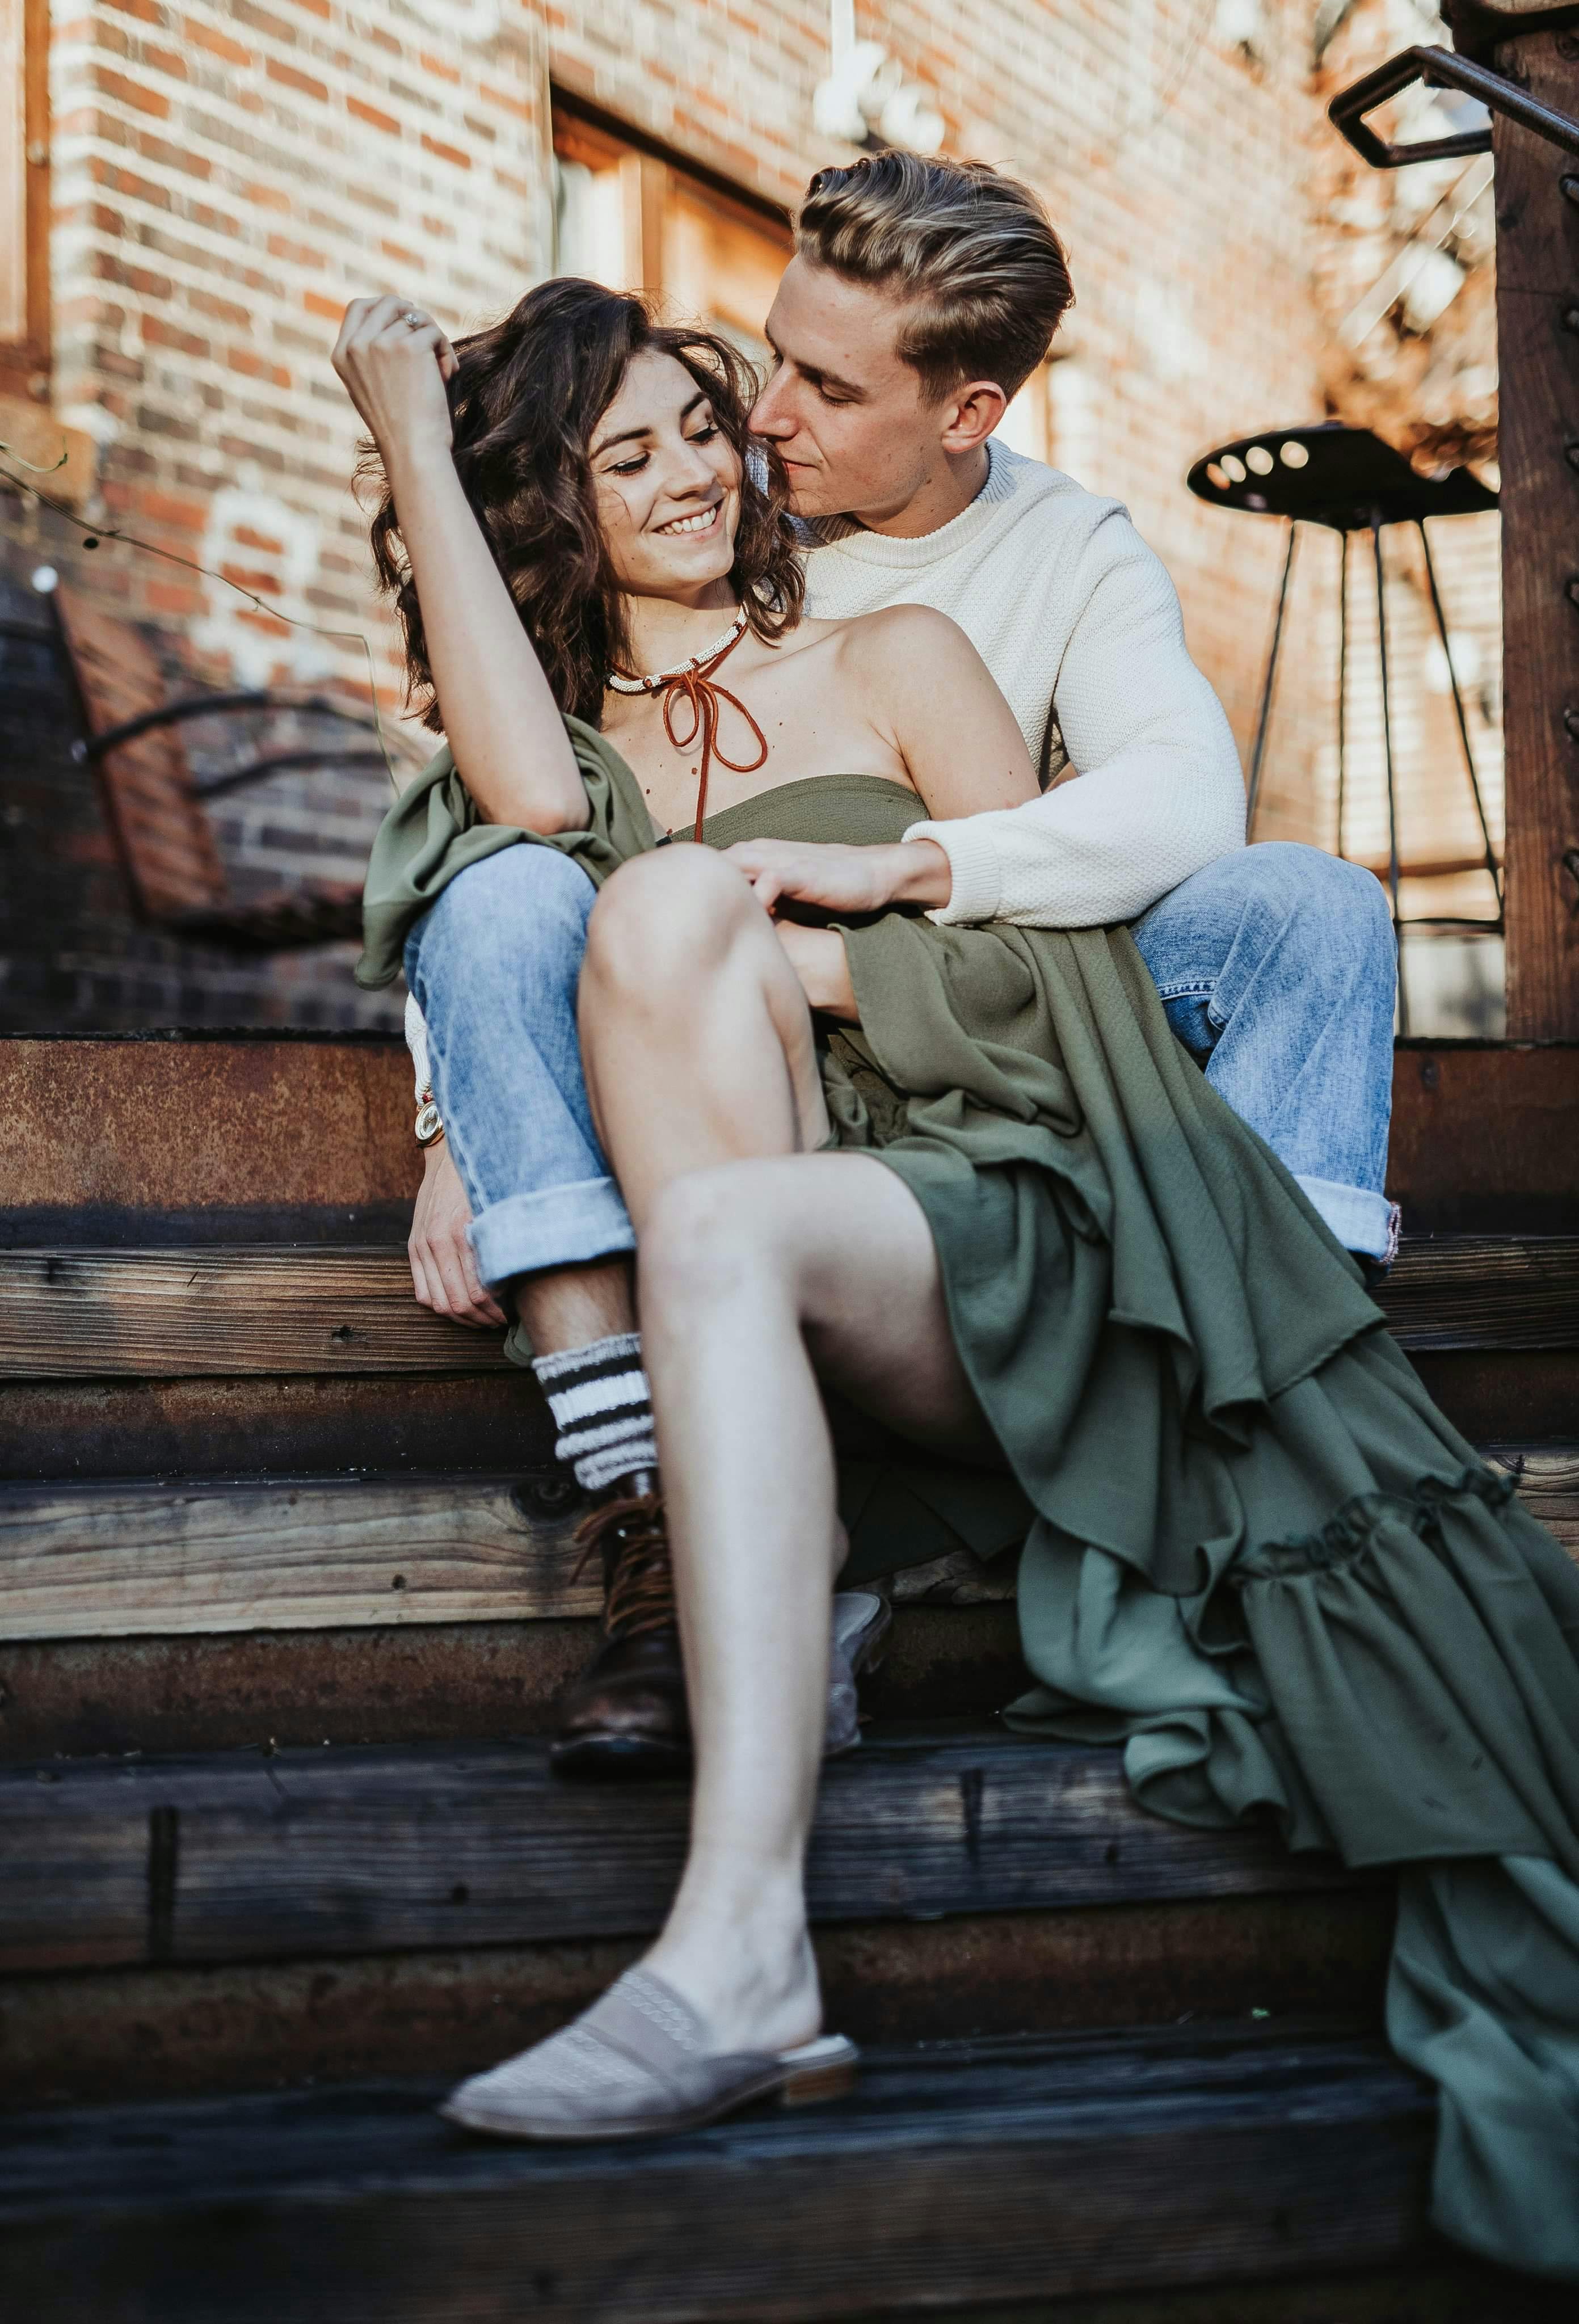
(966, 1177)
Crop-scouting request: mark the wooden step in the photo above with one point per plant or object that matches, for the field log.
(230, 1310)
(496, 1422)
(989, 2171)
(164, 2030)
(248, 1857)
(242, 1553)
(239, 1554)
(417, 1682)
(182, 1138)
(382, 1422)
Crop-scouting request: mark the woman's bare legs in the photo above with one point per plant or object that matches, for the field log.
(756, 1257)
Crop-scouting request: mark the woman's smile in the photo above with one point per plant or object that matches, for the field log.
(699, 522)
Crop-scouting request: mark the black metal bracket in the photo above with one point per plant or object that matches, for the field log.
(1442, 68)
(1478, 26)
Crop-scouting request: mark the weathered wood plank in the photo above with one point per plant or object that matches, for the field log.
(121, 1561)
(138, 1142)
(119, 1135)
(491, 1421)
(1485, 1291)
(412, 1683)
(256, 1309)
(1483, 1138)
(302, 1424)
(247, 1554)
(388, 1849)
(989, 2171)
(1537, 267)
(169, 2032)
(215, 1312)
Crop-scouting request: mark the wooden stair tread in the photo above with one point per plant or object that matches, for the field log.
(239, 1855)
(216, 1311)
(263, 1137)
(137, 1558)
(996, 2170)
(165, 1558)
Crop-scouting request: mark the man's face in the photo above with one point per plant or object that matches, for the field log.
(856, 432)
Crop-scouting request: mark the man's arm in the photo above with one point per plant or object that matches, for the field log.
(1160, 793)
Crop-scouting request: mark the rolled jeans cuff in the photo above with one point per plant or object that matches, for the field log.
(1362, 1220)
(562, 1226)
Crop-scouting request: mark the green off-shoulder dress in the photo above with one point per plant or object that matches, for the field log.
(1256, 1557)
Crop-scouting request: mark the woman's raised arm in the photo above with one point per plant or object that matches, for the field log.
(500, 718)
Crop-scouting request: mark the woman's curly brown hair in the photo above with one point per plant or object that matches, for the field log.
(524, 402)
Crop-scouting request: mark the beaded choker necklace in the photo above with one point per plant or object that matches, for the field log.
(692, 682)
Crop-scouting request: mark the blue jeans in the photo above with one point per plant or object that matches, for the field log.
(1275, 965)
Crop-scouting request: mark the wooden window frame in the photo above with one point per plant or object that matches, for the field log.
(25, 200)
(583, 131)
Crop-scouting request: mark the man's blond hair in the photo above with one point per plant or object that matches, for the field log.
(971, 253)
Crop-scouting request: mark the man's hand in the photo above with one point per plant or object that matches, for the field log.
(444, 1273)
(844, 879)
(818, 958)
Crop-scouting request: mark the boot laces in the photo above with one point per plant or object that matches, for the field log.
(631, 1537)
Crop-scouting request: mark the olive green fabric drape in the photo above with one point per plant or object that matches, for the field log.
(1258, 1558)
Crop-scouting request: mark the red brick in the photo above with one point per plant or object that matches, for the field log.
(330, 310)
(158, 333)
(300, 81)
(450, 153)
(256, 366)
(131, 92)
(174, 157)
(298, 253)
(217, 45)
(261, 21)
(371, 114)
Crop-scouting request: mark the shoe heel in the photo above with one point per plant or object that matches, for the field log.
(819, 2080)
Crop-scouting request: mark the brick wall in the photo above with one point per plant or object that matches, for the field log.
(227, 176)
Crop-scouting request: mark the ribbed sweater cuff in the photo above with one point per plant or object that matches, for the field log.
(974, 860)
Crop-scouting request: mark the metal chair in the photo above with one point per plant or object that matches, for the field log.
(1349, 480)
(156, 808)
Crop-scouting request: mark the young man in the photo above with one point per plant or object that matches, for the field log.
(921, 294)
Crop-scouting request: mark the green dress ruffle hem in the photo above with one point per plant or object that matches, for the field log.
(1256, 1558)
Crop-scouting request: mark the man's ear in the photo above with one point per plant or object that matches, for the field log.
(970, 414)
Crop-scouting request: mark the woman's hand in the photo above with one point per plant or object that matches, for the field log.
(842, 878)
(393, 361)
(444, 1272)
(818, 958)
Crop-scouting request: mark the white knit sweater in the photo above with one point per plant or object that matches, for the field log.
(1077, 620)
(1069, 610)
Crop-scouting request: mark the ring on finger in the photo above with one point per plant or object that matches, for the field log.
(412, 319)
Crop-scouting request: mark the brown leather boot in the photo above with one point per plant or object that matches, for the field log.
(626, 1715)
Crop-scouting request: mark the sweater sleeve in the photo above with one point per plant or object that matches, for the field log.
(1160, 793)
(417, 1042)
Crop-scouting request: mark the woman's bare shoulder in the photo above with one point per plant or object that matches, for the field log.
(906, 634)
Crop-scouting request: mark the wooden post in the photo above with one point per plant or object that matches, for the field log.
(1537, 336)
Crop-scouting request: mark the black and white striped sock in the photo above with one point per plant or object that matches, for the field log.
(602, 1407)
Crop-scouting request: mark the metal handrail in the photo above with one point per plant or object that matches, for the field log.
(1442, 68)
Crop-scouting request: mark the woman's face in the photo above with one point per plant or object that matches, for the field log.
(667, 481)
